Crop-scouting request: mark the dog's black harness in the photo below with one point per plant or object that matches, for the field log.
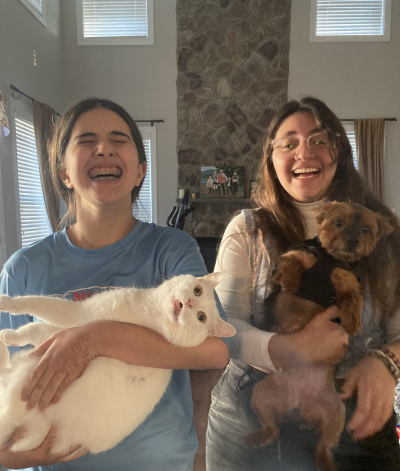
(316, 284)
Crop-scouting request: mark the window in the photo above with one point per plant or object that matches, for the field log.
(146, 205)
(38, 8)
(107, 22)
(32, 214)
(349, 128)
(350, 20)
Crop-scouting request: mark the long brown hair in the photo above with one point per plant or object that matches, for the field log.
(60, 139)
(277, 215)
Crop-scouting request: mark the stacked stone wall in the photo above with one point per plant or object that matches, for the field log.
(233, 65)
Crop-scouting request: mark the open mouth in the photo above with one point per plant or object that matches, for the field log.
(112, 173)
(177, 306)
(305, 172)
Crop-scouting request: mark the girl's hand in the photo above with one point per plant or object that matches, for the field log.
(40, 456)
(321, 341)
(65, 356)
(375, 389)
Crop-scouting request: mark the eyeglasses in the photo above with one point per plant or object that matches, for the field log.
(286, 146)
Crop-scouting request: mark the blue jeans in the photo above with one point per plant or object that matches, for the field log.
(231, 418)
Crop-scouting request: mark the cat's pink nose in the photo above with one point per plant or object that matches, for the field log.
(189, 303)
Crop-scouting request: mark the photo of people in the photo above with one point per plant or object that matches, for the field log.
(222, 182)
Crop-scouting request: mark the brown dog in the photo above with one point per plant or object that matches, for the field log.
(305, 394)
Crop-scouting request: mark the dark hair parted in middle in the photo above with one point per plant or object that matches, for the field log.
(62, 134)
(278, 215)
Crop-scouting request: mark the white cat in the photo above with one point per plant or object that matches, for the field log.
(111, 398)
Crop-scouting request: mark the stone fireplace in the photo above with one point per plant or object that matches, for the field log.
(233, 64)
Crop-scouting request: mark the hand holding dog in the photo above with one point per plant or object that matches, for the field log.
(320, 341)
(375, 389)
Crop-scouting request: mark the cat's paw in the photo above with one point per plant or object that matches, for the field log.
(27, 443)
(8, 304)
(10, 337)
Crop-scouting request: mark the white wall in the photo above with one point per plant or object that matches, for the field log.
(20, 35)
(140, 78)
(355, 79)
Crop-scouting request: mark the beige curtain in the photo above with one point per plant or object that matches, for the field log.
(370, 142)
(44, 118)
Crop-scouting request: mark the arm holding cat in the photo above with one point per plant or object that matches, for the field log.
(73, 349)
(67, 353)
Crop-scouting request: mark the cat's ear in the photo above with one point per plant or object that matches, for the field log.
(213, 278)
(221, 328)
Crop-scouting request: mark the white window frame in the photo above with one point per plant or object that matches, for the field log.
(116, 41)
(150, 133)
(23, 111)
(41, 16)
(350, 38)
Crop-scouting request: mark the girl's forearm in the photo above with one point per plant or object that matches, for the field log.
(142, 346)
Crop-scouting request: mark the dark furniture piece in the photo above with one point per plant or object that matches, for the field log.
(208, 249)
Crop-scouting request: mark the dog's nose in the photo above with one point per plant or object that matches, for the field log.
(352, 242)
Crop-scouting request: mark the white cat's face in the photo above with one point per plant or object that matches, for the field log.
(193, 312)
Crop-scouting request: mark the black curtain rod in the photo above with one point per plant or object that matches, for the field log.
(386, 119)
(149, 121)
(15, 89)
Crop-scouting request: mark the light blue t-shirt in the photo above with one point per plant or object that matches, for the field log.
(166, 440)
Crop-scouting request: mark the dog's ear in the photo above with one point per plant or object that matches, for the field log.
(384, 225)
(323, 211)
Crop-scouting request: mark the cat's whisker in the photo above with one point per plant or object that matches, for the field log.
(175, 340)
(184, 331)
(178, 335)
(178, 340)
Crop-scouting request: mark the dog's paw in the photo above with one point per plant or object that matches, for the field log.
(288, 275)
(8, 304)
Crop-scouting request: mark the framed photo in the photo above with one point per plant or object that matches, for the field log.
(222, 182)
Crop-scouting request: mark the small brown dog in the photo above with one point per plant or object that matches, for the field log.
(308, 281)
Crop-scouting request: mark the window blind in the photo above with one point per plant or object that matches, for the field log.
(114, 18)
(32, 209)
(143, 208)
(350, 17)
(37, 8)
(37, 4)
(349, 128)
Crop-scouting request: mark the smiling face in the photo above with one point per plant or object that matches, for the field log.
(101, 160)
(305, 176)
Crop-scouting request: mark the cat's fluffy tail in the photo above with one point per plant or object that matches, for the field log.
(4, 357)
